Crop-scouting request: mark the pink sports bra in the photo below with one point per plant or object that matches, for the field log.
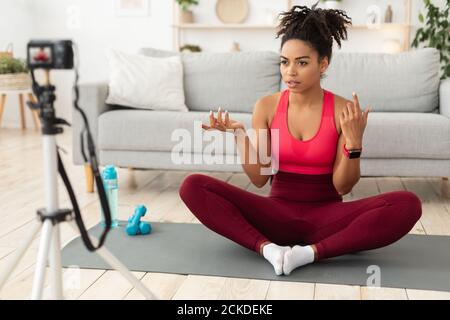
(312, 156)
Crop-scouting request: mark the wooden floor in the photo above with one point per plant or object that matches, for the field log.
(21, 184)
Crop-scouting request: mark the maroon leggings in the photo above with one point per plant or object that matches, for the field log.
(301, 209)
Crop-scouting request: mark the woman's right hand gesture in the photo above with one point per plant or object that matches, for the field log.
(222, 122)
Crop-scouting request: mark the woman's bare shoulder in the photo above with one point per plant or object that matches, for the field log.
(269, 102)
(270, 99)
(340, 102)
(266, 107)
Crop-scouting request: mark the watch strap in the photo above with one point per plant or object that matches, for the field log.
(347, 152)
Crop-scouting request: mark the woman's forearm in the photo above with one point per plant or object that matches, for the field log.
(250, 160)
(348, 172)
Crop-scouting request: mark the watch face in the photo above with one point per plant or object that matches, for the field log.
(354, 154)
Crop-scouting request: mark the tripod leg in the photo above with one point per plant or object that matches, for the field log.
(119, 266)
(46, 247)
(17, 255)
(56, 283)
(41, 263)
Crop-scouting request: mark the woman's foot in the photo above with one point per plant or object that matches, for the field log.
(296, 257)
(275, 255)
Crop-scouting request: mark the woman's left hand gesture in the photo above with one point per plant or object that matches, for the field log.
(353, 123)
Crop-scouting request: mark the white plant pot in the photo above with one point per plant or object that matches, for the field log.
(186, 16)
(333, 4)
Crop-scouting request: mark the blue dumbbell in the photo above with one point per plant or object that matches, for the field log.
(145, 227)
(135, 225)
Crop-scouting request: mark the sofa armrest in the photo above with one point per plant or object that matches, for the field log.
(92, 101)
(444, 97)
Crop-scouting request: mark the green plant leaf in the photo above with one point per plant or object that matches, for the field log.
(185, 4)
(12, 65)
(435, 32)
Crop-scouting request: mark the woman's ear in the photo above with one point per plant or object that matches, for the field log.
(323, 65)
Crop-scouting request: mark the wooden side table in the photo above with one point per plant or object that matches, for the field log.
(21, 93)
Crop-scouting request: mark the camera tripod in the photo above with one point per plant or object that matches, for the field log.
(50, 217)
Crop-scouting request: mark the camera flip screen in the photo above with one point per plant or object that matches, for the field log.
(40, 56)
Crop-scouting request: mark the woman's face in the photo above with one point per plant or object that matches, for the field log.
(299, 65)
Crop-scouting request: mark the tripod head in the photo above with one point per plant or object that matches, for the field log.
(45, 105)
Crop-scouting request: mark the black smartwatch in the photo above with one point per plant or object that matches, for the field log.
(353, 153)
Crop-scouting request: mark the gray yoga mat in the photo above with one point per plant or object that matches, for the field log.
(414, 262)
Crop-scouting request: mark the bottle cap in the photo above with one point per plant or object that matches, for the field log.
(109, 172)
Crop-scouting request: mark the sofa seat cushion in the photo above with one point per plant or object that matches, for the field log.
(387, 135)
(151, 130)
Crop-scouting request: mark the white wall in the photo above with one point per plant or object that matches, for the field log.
(16, 22)
(92, 24)
(95, 29)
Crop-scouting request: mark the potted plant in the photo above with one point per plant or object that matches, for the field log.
(436, 33)
(190, 48)
(186, 15)
(332, 4)
(14, 74)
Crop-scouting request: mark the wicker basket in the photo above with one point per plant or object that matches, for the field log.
(15, 81)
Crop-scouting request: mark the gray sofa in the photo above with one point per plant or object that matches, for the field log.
(408, 132)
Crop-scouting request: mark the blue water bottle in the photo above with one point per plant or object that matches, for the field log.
(109, 176)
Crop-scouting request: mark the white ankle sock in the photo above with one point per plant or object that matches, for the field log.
(275, 254)
(296, 257)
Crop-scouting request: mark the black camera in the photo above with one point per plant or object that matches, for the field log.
(46, 54)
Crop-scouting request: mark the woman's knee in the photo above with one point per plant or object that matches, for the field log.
(191, 185)
(409, 202)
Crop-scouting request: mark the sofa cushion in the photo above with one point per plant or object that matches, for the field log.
(145, 82)
(404, 82)
(232, 80)
(387, 135)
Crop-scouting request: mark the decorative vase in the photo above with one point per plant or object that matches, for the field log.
(388, 14)
(235, 47)
(373, 17)
(333, 4)
(186, 16)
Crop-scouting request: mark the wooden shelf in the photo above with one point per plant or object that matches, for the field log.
(382, 26)
(223, 26)
(178, 28)
(268, 26)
